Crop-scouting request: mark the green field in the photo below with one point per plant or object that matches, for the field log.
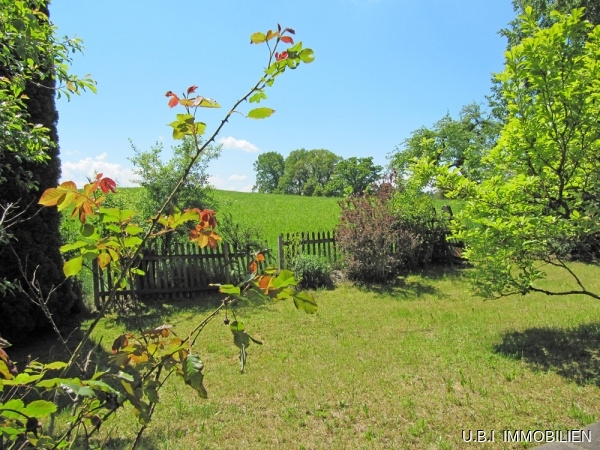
(274, 214)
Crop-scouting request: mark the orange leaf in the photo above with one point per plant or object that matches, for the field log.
(260, 257)
(287, 39)
(253, 267)
(263, 283)
(120, 342)
(103, 260)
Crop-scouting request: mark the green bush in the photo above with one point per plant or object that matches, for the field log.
(312, 271)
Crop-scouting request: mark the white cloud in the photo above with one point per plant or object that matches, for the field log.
(232, 183)
(232, 143)
(217, 182)
(79, 171)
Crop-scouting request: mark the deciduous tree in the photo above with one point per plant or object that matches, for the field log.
(269, 168)
(542, 198)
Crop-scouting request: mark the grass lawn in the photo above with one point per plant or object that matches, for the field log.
(409, 366)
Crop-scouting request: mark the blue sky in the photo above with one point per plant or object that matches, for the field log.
(383, 68)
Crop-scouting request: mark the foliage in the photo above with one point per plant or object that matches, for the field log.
(415, 212)
(458, 144)
(34, 65)
(239, 233)
(541, 12)
(374, 247)
(352, 176)
(542, 198)
(312, 271)
(30, 52)
(158, 178)
(142, 362)
(269, 168)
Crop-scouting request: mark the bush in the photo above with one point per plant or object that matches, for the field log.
(414, 212)
(312, 271)
(374, 244)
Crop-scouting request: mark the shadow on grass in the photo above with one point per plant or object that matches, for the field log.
(153, 312)
(573, 354)
(415, 283)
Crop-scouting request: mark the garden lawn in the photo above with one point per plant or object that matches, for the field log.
(408, 367)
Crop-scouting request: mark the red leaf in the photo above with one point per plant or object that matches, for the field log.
(192, 89)
(108, 184)
(174, 99)
(287, 39)
(281, 56)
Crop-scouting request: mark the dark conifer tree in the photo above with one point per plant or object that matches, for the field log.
(36, 240)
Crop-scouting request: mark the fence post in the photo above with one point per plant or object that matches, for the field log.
(227, 262)
(95, 269)
(280, 251)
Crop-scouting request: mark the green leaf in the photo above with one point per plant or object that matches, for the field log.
(114, 228)
(227, 288)
(88, 230)
(74, 246)
(16, 405)
(284, 279)
(192, 374)
(304, 301)
(40, 409)
(257, 97)
(260, 113)
(56, 365)
(73, 266)
(133, 230)
(236, 326)
(307, 55)
(258, 38)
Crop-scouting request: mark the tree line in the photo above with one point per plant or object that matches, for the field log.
(317, 172)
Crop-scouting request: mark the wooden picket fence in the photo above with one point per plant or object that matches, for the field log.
(320, 244)
(183, 270)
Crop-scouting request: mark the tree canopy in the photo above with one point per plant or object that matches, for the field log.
(542, 197)
(459, 144)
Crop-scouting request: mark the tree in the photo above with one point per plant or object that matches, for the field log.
(541, 11)
(459, 144)
(543, 197)
(269, 169)
(307, 172)
(33, 66)
(322, 165)
(158, 178)
(296, 172)
(353, 176)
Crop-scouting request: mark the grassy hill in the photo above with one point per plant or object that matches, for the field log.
(274, 214)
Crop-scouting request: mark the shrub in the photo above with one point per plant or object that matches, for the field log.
(374, 244)
(312, 271)
(414, 212)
